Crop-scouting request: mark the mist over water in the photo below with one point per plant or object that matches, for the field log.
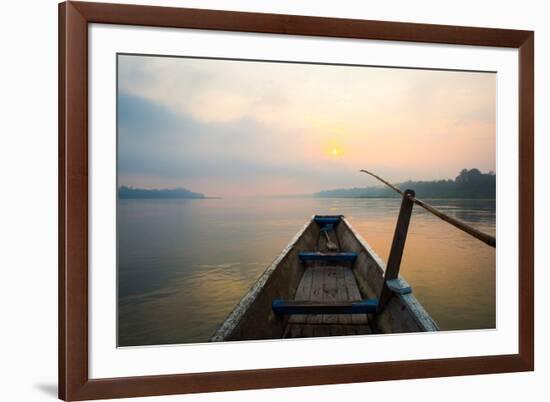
(183, 264)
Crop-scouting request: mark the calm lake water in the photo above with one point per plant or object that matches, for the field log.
(184, 264)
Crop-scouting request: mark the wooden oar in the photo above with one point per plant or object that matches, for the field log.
(330, 244)
(484, 237)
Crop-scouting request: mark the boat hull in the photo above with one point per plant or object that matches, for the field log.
(254, 317)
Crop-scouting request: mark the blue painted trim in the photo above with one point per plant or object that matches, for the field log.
(367, 306)
(325, 220)
(399, 286)
(316, 256)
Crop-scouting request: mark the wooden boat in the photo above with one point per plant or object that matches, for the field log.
(327, 282)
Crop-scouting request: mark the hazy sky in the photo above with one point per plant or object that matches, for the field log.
(228, 128)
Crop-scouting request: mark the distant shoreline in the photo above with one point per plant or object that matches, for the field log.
(382, 197)
(470, 184)
(156, 194)
(170, 198)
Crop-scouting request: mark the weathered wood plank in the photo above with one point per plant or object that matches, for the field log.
(295, 331)
(342, 293)
(330, 285)
(329, 293)
(330, 256)
(397, 246)
(316, 295)
(363, 329)
(321, 330)
(354, 295)
(307, 330)
(303, 293)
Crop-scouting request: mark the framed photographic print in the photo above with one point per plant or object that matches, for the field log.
(259, 200)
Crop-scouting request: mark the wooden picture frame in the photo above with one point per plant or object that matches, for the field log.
(74, 381)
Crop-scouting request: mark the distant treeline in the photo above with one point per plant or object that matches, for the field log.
(468, 184)
(130, 192)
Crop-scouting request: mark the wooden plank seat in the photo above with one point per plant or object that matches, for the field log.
(283, 307)
(327, 220)
(321, 286)
(319, 256)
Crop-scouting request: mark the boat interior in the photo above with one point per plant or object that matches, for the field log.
(326, 282)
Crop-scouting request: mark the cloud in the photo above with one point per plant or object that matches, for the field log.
(209, 90)
(212, 125)
(155, 142)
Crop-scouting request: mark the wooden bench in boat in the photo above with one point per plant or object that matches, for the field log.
(322, 289)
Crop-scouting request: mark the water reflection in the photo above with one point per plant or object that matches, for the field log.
(184, 264)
